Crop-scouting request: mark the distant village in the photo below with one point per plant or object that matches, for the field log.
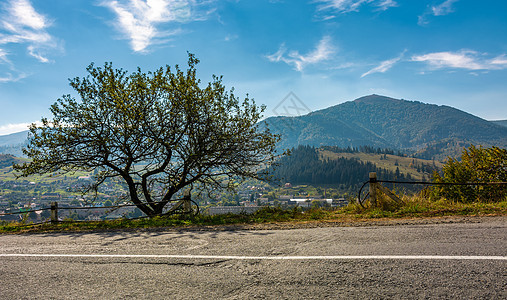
(35, 198)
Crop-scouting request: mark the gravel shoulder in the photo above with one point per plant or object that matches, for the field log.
(340, 222)
(352, 223)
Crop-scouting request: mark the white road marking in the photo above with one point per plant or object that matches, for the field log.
(233, 257)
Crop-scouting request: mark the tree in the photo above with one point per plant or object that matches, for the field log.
(477, 165)
(159, 131)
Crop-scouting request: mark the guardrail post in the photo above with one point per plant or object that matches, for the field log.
(54, 212)
(373, 188)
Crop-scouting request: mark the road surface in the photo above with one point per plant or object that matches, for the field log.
(437, 261)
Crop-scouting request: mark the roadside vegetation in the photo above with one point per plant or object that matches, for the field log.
(413, 207)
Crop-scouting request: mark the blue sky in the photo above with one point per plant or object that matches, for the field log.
(446, 52)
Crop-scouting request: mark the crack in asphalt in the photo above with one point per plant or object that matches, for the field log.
(204, 264)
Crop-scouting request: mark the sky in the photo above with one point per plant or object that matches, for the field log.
(309, 53)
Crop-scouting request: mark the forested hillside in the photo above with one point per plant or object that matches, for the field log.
(306, 166)
(384, 122)
(7, 160)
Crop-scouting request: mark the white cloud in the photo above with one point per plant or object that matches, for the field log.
(464, 59)
(341, 6)
(386, 4)
(138, 19)
(33, 52)
(9, 77)
(422, 20)
(21, 24)
(442, 9)
(23, 11)
(231, 37)
(500, 61)
(322, 52)
(12, 75)
(13, 128)
(384, 66)
(278, 55)
(345, 6)
(3, 56)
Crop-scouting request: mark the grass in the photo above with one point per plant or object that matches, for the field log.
(418, 207)
(413, 207)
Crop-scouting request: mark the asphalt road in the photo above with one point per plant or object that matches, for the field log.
(437, 261)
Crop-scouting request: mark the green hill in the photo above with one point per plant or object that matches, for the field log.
(385, 122)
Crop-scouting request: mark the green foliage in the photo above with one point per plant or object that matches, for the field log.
(477, 165)
(159, 132)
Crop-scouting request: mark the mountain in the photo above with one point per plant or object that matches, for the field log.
(12, 143)
(385, 122)
(13, 138)
(426, 130)
(500, 122)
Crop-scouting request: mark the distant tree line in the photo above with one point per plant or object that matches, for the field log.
(362, 149)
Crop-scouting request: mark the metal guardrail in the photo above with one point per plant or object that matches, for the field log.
(181, 204)
(374, 182)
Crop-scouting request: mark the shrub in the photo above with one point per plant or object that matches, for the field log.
(477, 165)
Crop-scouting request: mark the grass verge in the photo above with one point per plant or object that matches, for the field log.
(413, 207)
